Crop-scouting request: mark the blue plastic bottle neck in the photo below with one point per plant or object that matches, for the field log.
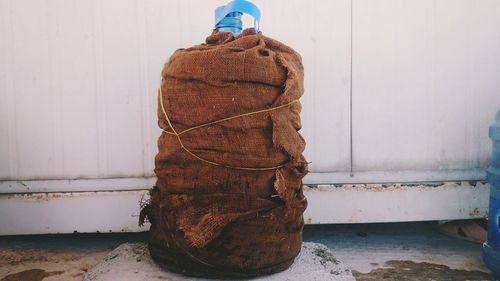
(228, 17)
(230, 23)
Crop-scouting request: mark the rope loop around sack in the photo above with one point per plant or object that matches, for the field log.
(178, 134)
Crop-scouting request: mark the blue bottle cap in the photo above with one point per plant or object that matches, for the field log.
(228, 17)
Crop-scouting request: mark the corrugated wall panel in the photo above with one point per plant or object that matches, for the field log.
(425, 83)
(78, 88)
(78, 82)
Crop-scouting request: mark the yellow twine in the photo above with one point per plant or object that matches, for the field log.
(178, 135)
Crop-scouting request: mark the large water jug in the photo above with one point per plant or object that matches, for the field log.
(228, 200)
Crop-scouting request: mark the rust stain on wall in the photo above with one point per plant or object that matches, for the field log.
(474, 212)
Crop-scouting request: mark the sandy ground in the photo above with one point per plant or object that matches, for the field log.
(56, 257)
(398, 251)
(132, 262)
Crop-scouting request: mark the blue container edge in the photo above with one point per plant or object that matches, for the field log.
(491, 257)
(491, 248)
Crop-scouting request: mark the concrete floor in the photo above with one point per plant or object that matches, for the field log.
(397, 251)
(401, 251)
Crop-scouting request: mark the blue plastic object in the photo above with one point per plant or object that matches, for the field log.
(228, 17)
(491, 249)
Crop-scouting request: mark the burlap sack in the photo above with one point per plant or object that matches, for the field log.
(228, 201)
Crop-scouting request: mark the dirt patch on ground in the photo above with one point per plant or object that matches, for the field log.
(30, 275)
(423, 271)
(20, 264)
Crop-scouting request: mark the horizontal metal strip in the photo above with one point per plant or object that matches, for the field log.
(118, 211)
(137, 183)
(396, 176)
(77, 185)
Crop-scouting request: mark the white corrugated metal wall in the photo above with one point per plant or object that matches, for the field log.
(395, 90)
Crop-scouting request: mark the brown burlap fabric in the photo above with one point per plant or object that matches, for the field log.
(208, 219)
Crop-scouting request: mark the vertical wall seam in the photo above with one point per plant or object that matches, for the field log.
(351, 150)
(58, 167)
(144, 87)
(102, 161)
(313, 112)
(11, 96)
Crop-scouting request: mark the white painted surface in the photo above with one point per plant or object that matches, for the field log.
(41, 213)
(425, 83)
(396, 203)
(118, 211)
(78, 87)
(79, 79)
(78, 82)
